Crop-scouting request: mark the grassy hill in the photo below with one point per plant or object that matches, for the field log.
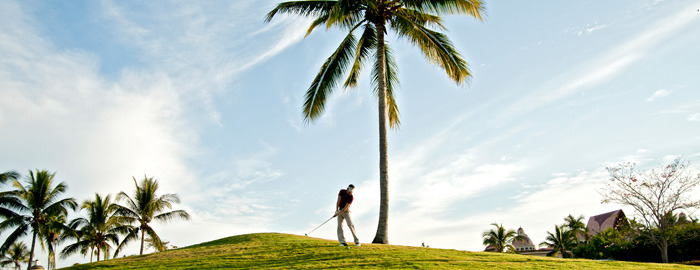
(284, 251)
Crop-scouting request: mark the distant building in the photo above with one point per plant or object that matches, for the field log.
(490, 248)
(526, 247)
(525, 244)
(615, 219)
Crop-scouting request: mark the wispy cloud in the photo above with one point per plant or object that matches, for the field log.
(202, 47)
(607, 65)
(587, 29)
(661, 93)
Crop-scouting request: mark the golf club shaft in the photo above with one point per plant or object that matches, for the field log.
(319, 226)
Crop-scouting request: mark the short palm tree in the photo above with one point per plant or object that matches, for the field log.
(576, 226)
(15, 256)
(144, 208)
(40, 201)
(500, 239)
(561, 241)
(97, 231)
(413, 20)
(52, 235)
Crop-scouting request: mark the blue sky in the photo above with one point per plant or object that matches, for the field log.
(206, 97)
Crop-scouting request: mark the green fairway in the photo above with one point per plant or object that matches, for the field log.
(284, 251)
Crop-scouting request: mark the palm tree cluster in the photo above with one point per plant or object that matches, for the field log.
(565, 237)
(37, 208)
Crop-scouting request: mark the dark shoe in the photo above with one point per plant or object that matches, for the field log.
(343, 245)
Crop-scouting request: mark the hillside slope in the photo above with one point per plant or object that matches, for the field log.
(284, 251)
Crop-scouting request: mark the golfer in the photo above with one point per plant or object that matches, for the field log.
(342, 211)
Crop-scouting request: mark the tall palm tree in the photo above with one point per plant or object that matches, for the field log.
(143, 208)
(16, 255)
(576, 226)
(413, 20)
(95, 232)
(500, 238)
(562, 241)
(39, 201)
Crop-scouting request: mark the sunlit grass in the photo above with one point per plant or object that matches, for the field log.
(284, 251)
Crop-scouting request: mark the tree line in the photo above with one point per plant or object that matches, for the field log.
(660, 232)
(37, 207)
(629, 242)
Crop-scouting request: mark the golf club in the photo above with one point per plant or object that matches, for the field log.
(319, 226)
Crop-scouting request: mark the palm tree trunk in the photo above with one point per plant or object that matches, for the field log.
(98, 254)
(31, 253)
(142, 234)
(92, 251)
(382, 236)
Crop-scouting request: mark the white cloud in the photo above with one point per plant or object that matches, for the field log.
(588, 29)
(96, 134)
(694, 117)
(203, 47)
(661, 93)
(595, 28)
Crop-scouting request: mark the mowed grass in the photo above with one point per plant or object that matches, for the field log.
(285, 251)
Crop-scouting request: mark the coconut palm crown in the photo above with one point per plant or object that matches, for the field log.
(95, 232)
(15, 256)
(143, 208)
(576, 226)
(413, 20)
(561, 241)
(40, 203)
(500, 238)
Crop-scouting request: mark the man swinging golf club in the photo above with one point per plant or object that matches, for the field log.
(342, 208)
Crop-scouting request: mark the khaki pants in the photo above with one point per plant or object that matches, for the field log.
(341, 236)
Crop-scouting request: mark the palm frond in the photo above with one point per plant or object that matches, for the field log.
(346, 13)
(8, 175)
(312, 8)
(171, 215)
(130, 208)
(60, 207)
(436, 47)
(318, 21)
(422, 18)
(155, 239)
(474, 8)
(170, 197)
(74, 248)
(392, 83)
(130, 236)
(20, 231)
(365, 47)
(11, 205)
(327, 78)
